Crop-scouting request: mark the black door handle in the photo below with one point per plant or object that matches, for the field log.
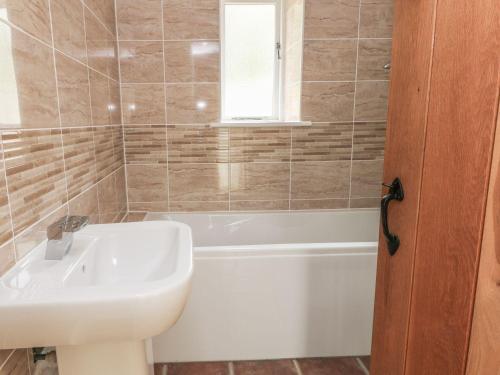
(395, 192)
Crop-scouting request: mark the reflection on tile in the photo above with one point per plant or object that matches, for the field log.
(101, 47)
(260, 181)
(330, 366)
(105, 11)
(364, 203)
(322, 142)
(369, 140)
(331, 19)
(197, 144)
(318, 204)
(146, 144)
(29, 59)
(139, 20)
(147, 183)
(143, 104)
(373, 55)
(35, 174)
(68, 28)
(30, 15)
(104, 152)
(259, 205)
(79, 159)
(73, 87)
(17, 364)
(329, 60)
(141, 62)
(86, 204)
(192, 103)
(273, 367)
(320, 180)
(260, 144)
(192, 61)
(114, 106)
(366, 180)
(376, 19)
(5, 219)
(199, 182)
(199, 206)
(7, 260)
(371, 100)
(179, 18)
(327, 101)
(205, 368)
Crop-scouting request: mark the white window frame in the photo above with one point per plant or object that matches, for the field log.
(278, 58)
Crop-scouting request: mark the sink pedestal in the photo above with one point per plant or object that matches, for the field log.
(115, 358)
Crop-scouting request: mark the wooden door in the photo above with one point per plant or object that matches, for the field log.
(442, 110)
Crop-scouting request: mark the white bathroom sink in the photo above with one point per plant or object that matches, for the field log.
(119, 283)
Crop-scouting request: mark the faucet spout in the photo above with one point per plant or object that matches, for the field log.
(60, 235)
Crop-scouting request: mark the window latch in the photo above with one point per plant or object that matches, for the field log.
(278, 49)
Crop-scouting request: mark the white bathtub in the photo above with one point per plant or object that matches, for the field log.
(276, 285)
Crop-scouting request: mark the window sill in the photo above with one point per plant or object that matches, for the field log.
(259, 124)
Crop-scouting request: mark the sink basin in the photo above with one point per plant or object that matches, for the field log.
(120, 283)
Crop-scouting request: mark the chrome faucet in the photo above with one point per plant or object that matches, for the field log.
(60, 235)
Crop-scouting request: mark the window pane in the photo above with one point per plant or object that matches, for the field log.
(249, 60)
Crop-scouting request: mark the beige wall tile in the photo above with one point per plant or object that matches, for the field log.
(369, 141)
(191, 19)
(329, 60)
(147, 184)
(114, 106)
(99, 96)
(105, 11)
(68, 28)
(139, 20)
(198, 182)
(4, 354)
(192, 61)
(259, 205)
(149, 206)
(331, 19)
(86, 204)
(260, 144)
(7, 260)
(197, 144)
(17, 364)
(373, 55)
(366, 180)
(104, 151)
(111, 197)
(192, 103)
(260, 181)
(327, 101)
(30, 15)
(371, 101)
(141, 62)
(143, 104)
(318, 204)
(135, 216)
(365, 203)
(79, 158)
(322, 142)
(320, 180)
(30, 74)
(376, 19)
(118, 147)
(5, 219)
(146, 144)
(73, 88)
(35, 174)
(199, 206)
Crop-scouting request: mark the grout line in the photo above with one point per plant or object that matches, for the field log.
(297, 366)
(230, 367)
(28, 359)
(362, 365)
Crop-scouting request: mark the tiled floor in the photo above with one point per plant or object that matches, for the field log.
(307, 366)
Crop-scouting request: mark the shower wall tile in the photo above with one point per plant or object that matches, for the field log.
(322, 142)
(104, 152)
(331, 19)
(197, 144)
(260, 181)
(32, 76)
(147, 187)
(146, 144)
(369, 140)
(7, 260)
(30, 15)
(371, 101)
(68, 28)
(86, 204)
(199, 206)
(329, 60)
(376, 19)
(366, 180)
(364, 203)
(143, 104)
(73, 88)
(112, 200)
(327, 101)
(373, 55)
(141, 62)
(5, 218)
(105, 12)
(192, 61)
(260, 205)
(17, 364)
(139, 20)
(99, 96)
(191, 19)
(193, 103)
(318, 204)
(320, 180)
(260, 144)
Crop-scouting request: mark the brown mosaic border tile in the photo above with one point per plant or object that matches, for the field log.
(369, 140)
(260, 144)
(146, 144)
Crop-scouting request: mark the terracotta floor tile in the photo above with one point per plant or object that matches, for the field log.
(330, 366)
(198, 368)
(275, 367)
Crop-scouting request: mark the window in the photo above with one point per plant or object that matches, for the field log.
(251, 60)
